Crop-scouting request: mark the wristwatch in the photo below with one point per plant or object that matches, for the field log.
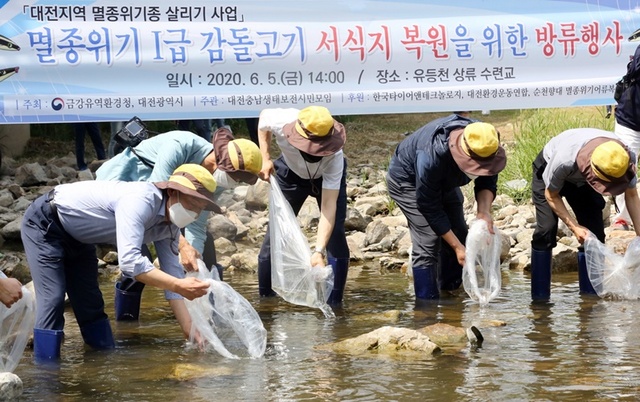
(320, 250)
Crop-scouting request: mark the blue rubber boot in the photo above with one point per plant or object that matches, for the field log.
(540, 274)
(98, 334)
(46, 344)
(127, 300)
(586, 288)
(264, 278)
(340, 268)
(425, 282)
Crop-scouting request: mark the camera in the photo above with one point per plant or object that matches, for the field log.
(132, 133)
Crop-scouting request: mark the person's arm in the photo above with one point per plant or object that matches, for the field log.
(189, 255)
(554, 199)
(632, 201)
(325, 226)
(264, 141)
(10, 291)
(189, 287)
(484, 198)
(182, 315)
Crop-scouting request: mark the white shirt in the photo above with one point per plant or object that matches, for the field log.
(329, 168)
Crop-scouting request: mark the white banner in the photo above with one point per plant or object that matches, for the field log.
(107, 60)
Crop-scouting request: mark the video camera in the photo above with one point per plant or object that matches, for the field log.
(132, 133)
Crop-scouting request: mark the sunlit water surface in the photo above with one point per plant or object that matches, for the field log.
(574, 348)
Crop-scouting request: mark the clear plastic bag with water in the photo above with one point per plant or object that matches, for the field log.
(292, 276)
(16, 325)
(225, 320)
(611, 274)
(481, 277)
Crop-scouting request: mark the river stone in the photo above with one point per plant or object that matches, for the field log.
(188, 371)
(376, 231)
(30, 174)
(445, 334)
(224, 246)
(10, 386)
(258, 195)
(353, 221)
(222, 227)
(387, 340)
(11, 231)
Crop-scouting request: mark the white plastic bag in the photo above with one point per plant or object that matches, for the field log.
(292, 276)
(481, 276)
(611, 274)
(16, 325)
(224, 319)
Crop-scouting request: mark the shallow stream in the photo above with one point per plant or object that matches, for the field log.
(575, 348)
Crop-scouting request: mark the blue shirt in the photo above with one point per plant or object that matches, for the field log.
(166, 152)
(424, 160)
(125, 214)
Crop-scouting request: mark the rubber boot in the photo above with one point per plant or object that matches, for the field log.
(340, 267)
(449, 271)
(425, 282)
(586, 288)
(264, 278)
(540, 274)
(46, 344)
(98, 334)
(127, 299)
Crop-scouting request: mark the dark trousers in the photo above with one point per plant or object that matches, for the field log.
(60, 264)
(427, 247)
(94, 133)
(587, 205)
(296, 190)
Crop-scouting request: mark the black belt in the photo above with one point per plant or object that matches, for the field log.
(53, 207)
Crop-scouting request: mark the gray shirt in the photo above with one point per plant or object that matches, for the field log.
(125, 214)
(561, 153)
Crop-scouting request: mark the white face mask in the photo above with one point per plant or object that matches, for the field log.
(224, 180)
(180, 216)
(472, 177)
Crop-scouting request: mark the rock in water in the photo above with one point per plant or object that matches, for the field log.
(10, 386)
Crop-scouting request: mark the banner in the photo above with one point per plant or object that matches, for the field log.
(108, 60)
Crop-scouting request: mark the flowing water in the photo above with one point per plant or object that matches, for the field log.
(575, 348)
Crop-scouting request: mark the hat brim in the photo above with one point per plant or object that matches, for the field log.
(316, 146)
(583, 160)
(221, 139)
(211, 206)
(490, 166)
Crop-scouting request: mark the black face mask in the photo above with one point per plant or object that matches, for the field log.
(310, 158)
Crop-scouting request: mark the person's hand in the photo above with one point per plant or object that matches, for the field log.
(487, 218)
(581, 233)
(267, 169)
(317, 260)
(191, 288)
(10, 291)
(189, 257)
(461, 253)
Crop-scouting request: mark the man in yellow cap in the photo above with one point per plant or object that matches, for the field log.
(231, 161)
(312, 164)
(580, 165)
(59, 232)
(424, 179)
